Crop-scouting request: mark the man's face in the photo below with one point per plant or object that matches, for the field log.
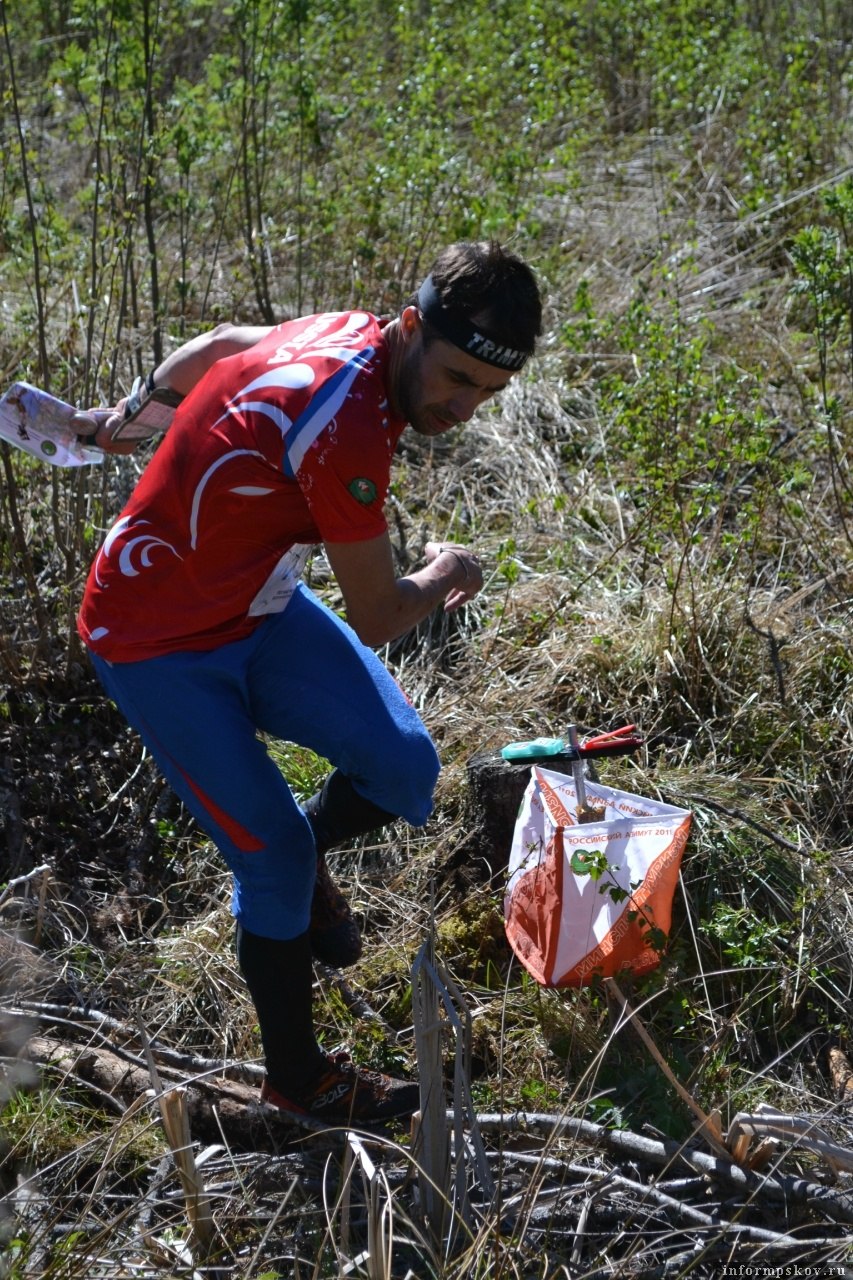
(439, 386)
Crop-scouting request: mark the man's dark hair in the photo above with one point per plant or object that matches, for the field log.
(483, 283)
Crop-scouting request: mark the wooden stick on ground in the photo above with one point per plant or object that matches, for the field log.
(709, 1125)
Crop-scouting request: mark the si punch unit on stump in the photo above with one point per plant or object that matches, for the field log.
(592, 870)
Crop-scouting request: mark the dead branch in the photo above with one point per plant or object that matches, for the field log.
(37, 873)
(218, 1108)
(731, 1229)
(774, 1188)
(761, 827)
(93, 1021)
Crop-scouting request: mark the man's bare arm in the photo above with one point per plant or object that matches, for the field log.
(187, 366)
(381, 606)
(180, 371)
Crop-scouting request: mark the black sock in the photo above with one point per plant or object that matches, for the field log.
(280, 976)
(337, 813)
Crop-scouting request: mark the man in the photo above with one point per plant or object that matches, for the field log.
(202, 633)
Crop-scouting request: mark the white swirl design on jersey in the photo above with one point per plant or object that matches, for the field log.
(145, 541)
(202, 485)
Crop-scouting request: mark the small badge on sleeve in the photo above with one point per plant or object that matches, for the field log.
(363, 490)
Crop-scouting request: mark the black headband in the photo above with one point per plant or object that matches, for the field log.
(465, 335)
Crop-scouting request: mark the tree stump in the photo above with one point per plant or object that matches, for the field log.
(495, 790)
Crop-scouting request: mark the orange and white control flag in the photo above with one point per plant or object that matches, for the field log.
(591, 899)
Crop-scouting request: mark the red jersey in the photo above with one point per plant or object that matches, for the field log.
(286, 444)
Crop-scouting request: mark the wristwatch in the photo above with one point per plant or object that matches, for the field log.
(148, 410)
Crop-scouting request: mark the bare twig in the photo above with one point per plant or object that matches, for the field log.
(45, 870)
(77, 1018)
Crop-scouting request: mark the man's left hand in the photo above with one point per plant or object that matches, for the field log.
(99, 424)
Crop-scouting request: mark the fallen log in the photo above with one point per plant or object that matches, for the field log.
(216, 1108)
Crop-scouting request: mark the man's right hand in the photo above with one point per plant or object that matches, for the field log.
(470, 585)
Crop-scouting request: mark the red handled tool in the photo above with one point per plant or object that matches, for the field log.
(618, 742)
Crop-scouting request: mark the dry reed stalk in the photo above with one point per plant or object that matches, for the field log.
(173, 1112)
(431, 1141)
(446, 1171)
(176, 1124)
(378, 1257)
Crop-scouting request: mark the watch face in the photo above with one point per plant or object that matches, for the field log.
(153, 416)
